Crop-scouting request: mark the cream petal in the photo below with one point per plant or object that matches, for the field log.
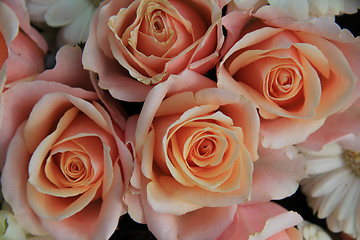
(347, 206)
(77, 31)
(329, 182)
(323, 165)
(60, 14)
(329, 202)
(278, 223)
(10, 27)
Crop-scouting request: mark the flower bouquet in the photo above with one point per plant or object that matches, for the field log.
(180, 119)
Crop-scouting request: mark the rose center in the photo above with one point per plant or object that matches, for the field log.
(284, 79)
(158, 24)
(74, 170)
(205, 147)
(352, 159)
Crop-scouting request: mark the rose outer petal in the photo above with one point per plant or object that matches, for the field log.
(13, 180)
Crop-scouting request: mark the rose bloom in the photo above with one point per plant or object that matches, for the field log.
(200, 149)
(22, 47)
(151, 40)
(66, 164)
(265, 220)
(194, 160)
(297, 73)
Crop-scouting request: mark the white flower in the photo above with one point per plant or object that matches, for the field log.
(73, 17)
(305, 9)
(9, 228)
(312, 231)
(332, 188)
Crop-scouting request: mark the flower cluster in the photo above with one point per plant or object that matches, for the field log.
(190, 116)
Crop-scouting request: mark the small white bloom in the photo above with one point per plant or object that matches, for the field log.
(312, 231)
(305, 9)
(332, 188)
(72, 17)
(9, 228)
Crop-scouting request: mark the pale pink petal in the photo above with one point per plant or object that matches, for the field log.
(281, 132)
(68, 69)
(14, 179)
(168, 226)
(335, 127)
(114, 107)
(263, 219)
(25, 59)
(234, 28)
(134, 207)
(277, 173)
(77, 227)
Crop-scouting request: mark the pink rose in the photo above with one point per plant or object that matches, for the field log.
(151, 40)
(195, 160)
(66, 166)
(22, 48)
(260, 221)
(199, 149)
(297, 73)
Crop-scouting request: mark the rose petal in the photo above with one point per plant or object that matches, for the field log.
(277, 174)
(277, 133)
(14, 177)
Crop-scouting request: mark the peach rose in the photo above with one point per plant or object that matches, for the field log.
(66, 166)
(198, 148)
(260, 221)
(297, 73)
(151, 40)
(194, 160)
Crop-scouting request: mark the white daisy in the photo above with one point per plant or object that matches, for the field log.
(305, 9)
(332, 188)
(312, 231)
(72, 17)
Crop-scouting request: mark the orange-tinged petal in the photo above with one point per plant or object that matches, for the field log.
(51, 207)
